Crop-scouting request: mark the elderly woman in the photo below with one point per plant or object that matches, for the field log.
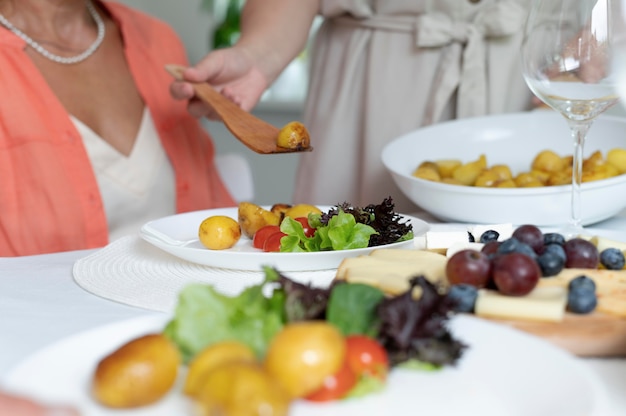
(91, 143)
(380, 68)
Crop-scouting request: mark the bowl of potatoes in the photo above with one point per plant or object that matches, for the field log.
(512, 168)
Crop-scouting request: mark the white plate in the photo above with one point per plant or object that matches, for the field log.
(503, 373)
(178, 235)
(514, 140)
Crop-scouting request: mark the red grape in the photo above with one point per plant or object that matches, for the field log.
(581, 254)
(515, 274)
(530, 235)
(470, 267)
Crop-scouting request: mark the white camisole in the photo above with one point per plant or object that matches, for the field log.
(134, 189)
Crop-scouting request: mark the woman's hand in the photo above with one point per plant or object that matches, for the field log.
(231, 71)
(19, 406)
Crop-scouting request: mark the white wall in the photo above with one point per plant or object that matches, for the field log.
(274, 174)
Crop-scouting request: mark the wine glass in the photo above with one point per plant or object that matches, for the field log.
(566, 62)
(619, 49)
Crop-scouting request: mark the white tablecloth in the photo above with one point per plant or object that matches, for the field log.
(40, 304)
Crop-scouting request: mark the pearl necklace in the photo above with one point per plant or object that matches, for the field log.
(62, 59)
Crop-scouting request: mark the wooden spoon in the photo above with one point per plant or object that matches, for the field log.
(253, 132)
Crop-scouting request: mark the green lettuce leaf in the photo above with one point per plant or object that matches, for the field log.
(203, 317)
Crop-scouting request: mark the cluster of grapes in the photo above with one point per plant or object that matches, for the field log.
(515, 265)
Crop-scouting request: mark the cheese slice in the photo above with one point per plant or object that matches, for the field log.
(441, 240)
(542, 304)
(610, 287)
(392, 275)
(602, 243)
(456, 247)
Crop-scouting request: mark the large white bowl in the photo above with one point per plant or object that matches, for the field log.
(512, 139)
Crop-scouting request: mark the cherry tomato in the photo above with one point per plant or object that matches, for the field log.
(335, 386)
(272, 242)
(261, 235)
(308, 230)
(366, 356)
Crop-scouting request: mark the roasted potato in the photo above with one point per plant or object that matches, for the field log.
(251, 217)
(138, 373)
(547, 169)
(280, 209)
(294, 136)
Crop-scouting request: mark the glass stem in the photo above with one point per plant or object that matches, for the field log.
(579, 133)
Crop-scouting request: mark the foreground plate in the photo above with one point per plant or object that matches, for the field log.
(504, 372)
(178, 235)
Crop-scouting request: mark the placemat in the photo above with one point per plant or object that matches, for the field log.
(133, 272)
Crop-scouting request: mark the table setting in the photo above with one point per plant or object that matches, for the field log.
(74, 306)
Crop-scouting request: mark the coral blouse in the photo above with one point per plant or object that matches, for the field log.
(49, 196)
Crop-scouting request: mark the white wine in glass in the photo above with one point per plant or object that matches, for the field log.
(567, 63)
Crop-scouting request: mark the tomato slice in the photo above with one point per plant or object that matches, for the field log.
(261, 235)
(335, 386)
(308, 230)
(272, 243)
(365, 356)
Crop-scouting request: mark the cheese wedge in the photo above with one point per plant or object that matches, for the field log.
(545, 304)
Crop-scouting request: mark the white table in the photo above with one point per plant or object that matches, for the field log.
(41, 304)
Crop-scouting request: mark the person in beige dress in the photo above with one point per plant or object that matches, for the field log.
(379, 69)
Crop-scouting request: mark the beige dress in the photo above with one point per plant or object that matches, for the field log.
(382, 68)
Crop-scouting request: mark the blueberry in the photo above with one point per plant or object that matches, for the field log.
(509, 245)
(513, 245)
(581, 301)
(464, 296)
(489, 235)
(550, 263)
(582, 283)
(553, 238)
(612, 259)
(555, 249)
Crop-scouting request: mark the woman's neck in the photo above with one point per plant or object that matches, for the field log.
(59, 23)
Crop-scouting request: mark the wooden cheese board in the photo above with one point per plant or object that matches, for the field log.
(595, 335)
(601, 333)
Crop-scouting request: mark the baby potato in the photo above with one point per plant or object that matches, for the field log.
(279, 210)
(540, 175)
(617, 158)
(487, 178)
(252, 217)
(428, 173)
(139, 373)
(563, 177)
(450, 181)
(526, 180)
(446, 167)
(467, 173)
(598, 172)
(294, 136)
(506, 183)
(303, 354)
(241, 389)
(595, 159)
(547, 161)
(219, 232)
(210, 358)
(503, 171)
(302, 210)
